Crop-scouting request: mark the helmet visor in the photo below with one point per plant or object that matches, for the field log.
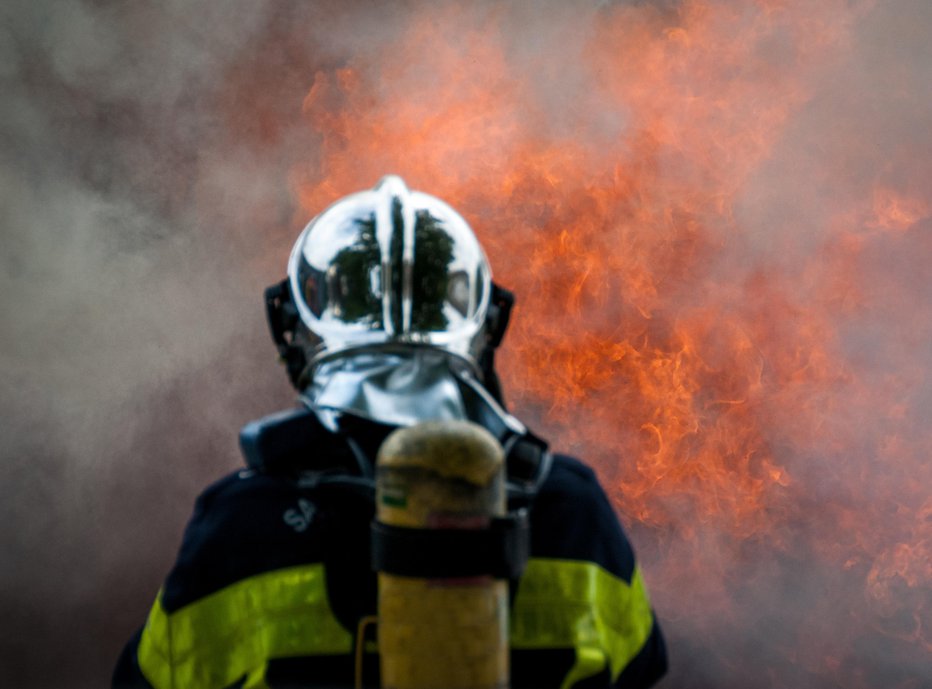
(360, 279)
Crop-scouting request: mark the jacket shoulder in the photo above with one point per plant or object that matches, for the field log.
(573, 519)
(244, 524)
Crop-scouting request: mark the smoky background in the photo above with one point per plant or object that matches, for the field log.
(148, 158)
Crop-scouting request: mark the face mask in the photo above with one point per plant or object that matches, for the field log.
(402, 388)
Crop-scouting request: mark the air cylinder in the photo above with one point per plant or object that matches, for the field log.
(442, 620)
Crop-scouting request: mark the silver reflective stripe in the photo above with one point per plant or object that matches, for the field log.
(389, 189)
(393, 189)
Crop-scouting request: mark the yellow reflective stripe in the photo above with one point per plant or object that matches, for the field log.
(233, 632)
(256, 678)
(580, 605)
(214, 641)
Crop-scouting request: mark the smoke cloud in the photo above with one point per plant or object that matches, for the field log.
(158, 160)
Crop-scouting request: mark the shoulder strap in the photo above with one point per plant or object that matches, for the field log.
(527, 461)
(294, 441)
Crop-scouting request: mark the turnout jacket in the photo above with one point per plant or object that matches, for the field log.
(274, 575)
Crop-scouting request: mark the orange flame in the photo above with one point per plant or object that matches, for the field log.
(708, 365)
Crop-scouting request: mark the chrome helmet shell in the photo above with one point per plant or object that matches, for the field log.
(390, 267)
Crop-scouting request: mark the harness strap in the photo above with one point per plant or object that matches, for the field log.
(296, 442)
(500, 551)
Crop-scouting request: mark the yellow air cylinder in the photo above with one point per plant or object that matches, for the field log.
(442, 633)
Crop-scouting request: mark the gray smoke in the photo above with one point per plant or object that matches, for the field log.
(134, 228)
(146, 178)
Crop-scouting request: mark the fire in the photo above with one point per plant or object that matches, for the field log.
(711, 359)
(894, 211)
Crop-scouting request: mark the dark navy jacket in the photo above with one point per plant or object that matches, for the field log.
(261, 532)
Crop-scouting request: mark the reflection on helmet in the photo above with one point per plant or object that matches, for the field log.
(390, 266)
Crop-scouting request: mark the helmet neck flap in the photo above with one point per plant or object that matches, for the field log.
(403, 387)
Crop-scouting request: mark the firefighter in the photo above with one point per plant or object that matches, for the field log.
(388, 318)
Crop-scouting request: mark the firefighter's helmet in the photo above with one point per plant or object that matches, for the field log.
(388, 267)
